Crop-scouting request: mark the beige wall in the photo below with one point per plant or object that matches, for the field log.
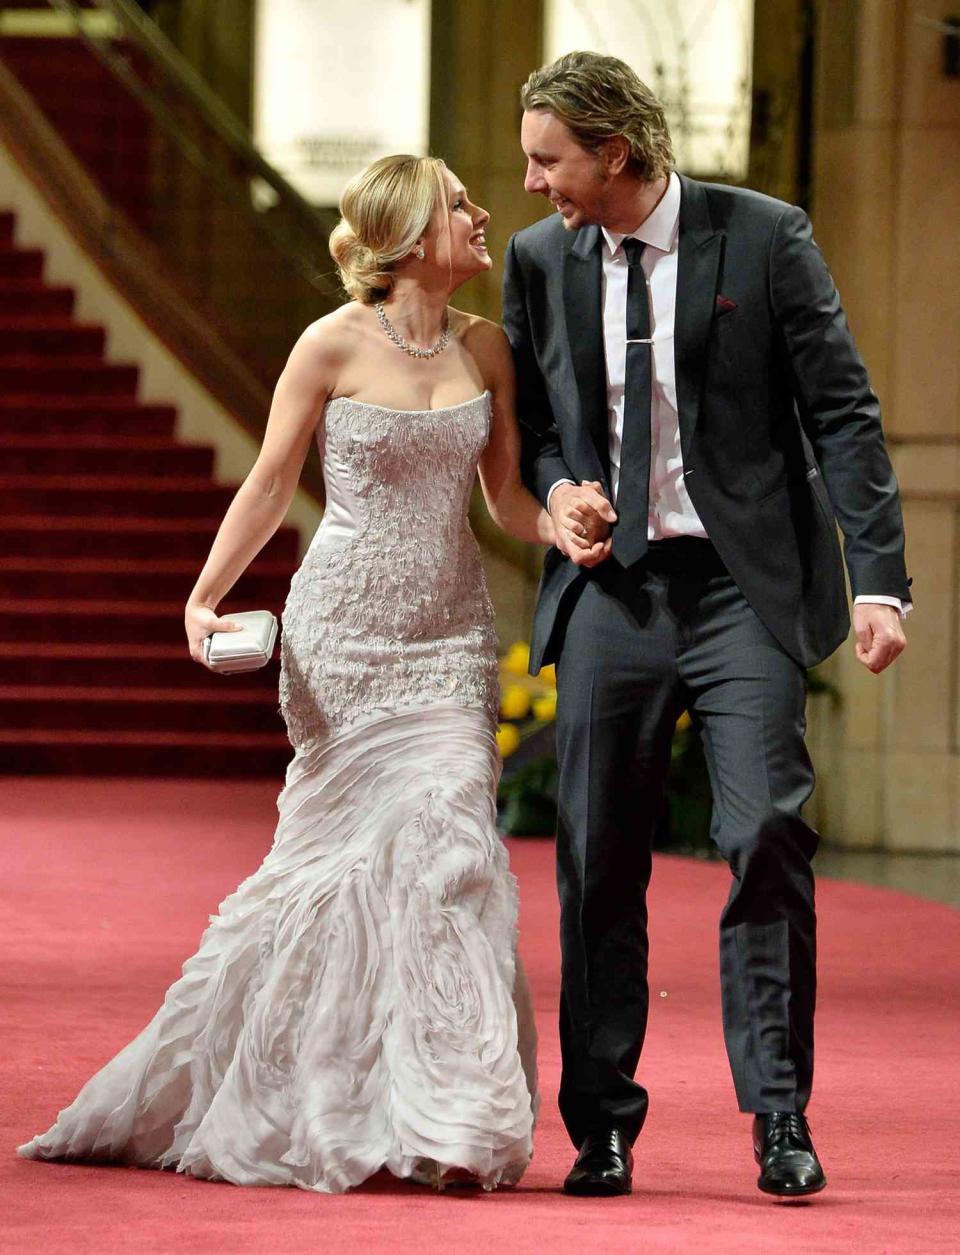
(886, 208)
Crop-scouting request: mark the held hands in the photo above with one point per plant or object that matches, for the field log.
(581, 518)
(201, 622)
(880, 636)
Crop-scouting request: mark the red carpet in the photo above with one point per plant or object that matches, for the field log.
(107, 885)
(105, 520)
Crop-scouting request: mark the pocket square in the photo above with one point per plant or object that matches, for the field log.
(725, 304)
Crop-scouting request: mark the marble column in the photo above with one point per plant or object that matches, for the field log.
(886, 207)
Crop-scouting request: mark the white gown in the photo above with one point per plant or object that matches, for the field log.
(356, 1003)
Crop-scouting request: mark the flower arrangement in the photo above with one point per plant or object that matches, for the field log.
(527, 703)
(528, 708)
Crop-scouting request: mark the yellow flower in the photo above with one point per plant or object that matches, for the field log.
(514, 702)
(517, 658)
(545, 706)
(684, 721)
(508, 739)
(548, 674)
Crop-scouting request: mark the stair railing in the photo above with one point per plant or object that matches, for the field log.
(242, 246)
(186, 84)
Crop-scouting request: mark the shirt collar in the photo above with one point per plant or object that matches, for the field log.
(662, 226)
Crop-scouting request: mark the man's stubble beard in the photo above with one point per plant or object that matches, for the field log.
(600, 207)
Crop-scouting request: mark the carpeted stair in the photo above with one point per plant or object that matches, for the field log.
(106, 128)
(105, 520)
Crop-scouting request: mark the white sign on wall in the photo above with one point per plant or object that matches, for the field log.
(696, 55)
(337, 85)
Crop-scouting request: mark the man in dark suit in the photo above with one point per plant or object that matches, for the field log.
(683, 360)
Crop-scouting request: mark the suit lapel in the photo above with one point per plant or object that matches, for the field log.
(698, 272)
(582, 303)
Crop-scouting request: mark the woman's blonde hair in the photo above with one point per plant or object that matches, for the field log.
(599, 97)
(383, 212)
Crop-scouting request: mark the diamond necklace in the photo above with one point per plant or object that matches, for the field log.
(394, 335)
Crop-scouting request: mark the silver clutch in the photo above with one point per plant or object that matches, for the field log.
(246, 650)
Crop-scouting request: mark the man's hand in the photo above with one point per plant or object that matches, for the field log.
(582, 517)
(880, 636)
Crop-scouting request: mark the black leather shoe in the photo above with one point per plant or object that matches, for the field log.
(789, 1167)
(603, 1167)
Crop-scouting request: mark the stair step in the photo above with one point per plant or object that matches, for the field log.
(21, 263)
(46, 57)
(33, 375)
(81, 752)
(106, 147)
(20, 335)
(90, 416)
(140, 709)
(35, 298)
(144, 495)
(99, 501)
(70, 537)
(99, 622)
(109, 579)
(86, 117)
(72, 665)
(90, 455)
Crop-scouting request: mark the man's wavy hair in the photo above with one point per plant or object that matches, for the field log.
(599, 97)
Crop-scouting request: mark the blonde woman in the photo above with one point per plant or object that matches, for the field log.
(356, 1003)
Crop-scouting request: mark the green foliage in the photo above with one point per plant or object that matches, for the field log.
(527, 797)
(684, 826)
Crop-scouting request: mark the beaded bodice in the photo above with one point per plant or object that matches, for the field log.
(390, 607)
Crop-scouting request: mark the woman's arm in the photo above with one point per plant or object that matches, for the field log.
(262, 500)
(511, 506)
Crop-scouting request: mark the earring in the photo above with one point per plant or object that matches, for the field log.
(420, 253)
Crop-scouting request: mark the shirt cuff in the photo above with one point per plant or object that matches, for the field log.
(879, 600)
(553, 487)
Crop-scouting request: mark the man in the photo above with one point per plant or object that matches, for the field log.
(682, 357)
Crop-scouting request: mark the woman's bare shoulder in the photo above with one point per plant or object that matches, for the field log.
(485, 339)
(337, 330)
(487, 344)
(329, 342)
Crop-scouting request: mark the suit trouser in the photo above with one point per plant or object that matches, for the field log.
(637, 648)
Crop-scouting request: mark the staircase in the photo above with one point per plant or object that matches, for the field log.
(105, 520)
(106, 128)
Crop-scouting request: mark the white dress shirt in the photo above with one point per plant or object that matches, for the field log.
(671, 512)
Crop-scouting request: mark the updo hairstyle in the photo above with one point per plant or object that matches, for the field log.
(383, 212)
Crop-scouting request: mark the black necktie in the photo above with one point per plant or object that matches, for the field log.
(630, 533)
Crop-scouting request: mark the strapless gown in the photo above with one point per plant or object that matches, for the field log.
(356, 1004)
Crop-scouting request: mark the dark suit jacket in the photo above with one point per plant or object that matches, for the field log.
(779, 427)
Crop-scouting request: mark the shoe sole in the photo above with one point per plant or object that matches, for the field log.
(788, 1194)
(597, 1191)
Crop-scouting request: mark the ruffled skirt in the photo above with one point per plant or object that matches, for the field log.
(356, 1003)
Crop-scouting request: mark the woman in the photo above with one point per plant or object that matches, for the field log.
(356, 1003)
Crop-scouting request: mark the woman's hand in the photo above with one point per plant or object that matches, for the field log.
(582, 517)
(201, 622)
